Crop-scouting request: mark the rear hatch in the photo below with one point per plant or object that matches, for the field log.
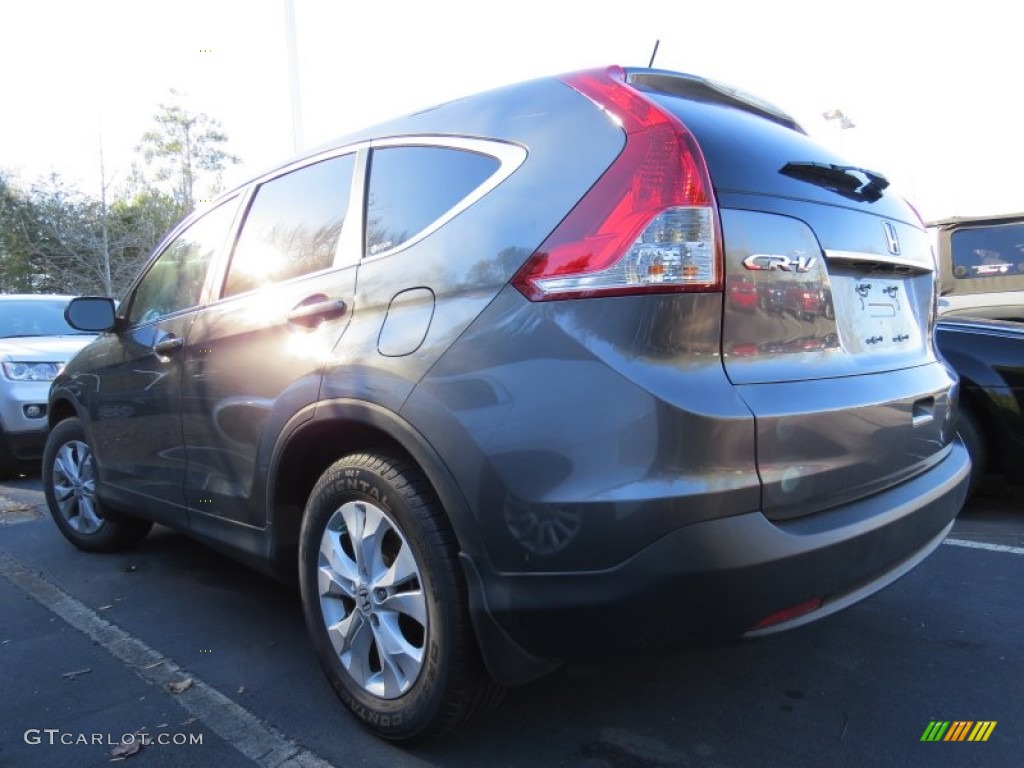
(828, 306)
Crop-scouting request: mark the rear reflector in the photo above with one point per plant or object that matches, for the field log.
(649, 224)
(788, 614)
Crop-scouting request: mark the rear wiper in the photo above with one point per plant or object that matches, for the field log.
(846, 180)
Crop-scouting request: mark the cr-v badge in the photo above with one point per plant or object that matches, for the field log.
(770, 261)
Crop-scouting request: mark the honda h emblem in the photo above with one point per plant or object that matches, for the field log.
(891, 238)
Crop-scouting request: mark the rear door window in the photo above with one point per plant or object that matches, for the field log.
(413, 188)
(986, 252)
(292, 226)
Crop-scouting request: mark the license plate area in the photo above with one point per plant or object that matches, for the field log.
(876, 315)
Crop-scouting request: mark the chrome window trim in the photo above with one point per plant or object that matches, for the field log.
(298, 163)
(863, 257)
(509, 156)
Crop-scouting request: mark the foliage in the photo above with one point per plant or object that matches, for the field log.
(183, 146)
(57, 239)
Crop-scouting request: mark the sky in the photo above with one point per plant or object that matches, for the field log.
(932, 87)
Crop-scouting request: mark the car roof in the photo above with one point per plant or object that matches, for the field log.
(1000, 218)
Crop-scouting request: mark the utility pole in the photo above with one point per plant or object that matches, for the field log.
(293, 75)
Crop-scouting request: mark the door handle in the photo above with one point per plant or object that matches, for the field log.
(168, 344)
(923, 412)
(319, 309)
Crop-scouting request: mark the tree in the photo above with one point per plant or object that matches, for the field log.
(61, 235)
(54, 238)
(184, 147)
(15, 264)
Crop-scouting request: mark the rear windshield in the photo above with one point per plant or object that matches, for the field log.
(748, 153)
(986, 252)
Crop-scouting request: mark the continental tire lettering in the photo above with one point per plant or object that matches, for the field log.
(352, 482)
(372, 717)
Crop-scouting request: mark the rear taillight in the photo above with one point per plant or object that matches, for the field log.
(649, 224)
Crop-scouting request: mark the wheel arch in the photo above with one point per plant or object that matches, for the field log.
(310, 443)
(61, 407)
(978, 404)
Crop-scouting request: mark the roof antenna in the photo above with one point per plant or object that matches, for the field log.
(654, 53)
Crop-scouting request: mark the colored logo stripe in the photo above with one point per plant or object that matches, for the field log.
(982, 730)
(935, 730)
(958, 730)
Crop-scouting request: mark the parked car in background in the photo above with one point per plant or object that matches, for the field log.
(35, 344)
(989, 357)
(469, 376)
(981, 266)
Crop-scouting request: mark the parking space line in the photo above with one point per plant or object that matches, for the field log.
(984, 545)
(262, 743)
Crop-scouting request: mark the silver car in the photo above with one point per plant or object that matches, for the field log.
(35, 344)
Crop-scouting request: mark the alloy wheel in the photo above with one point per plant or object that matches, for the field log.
(74, 486)
(372, 600)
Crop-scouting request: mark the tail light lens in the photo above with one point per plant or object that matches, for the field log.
(649, 224)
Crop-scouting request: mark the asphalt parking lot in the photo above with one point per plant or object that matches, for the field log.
(90, 646)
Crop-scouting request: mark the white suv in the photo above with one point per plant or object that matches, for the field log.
(35, 344)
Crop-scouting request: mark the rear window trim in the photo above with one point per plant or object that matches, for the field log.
(509, 156)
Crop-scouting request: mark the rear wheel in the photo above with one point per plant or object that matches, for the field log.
(385, 601)
(974, 440)
(69, 482)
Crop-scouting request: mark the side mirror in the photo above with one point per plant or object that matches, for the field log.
(90, 313)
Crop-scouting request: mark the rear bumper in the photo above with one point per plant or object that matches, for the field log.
(720, 578)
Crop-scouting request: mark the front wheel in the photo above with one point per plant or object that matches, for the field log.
(69, 482)
(385, 601)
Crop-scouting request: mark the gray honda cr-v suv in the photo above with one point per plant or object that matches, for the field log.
(597, 362)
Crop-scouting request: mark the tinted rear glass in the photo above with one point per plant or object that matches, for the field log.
(413, 187)
(986, 252)
(747, 153)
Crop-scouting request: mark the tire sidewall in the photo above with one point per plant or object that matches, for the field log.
(406, 716)
(967, 428)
